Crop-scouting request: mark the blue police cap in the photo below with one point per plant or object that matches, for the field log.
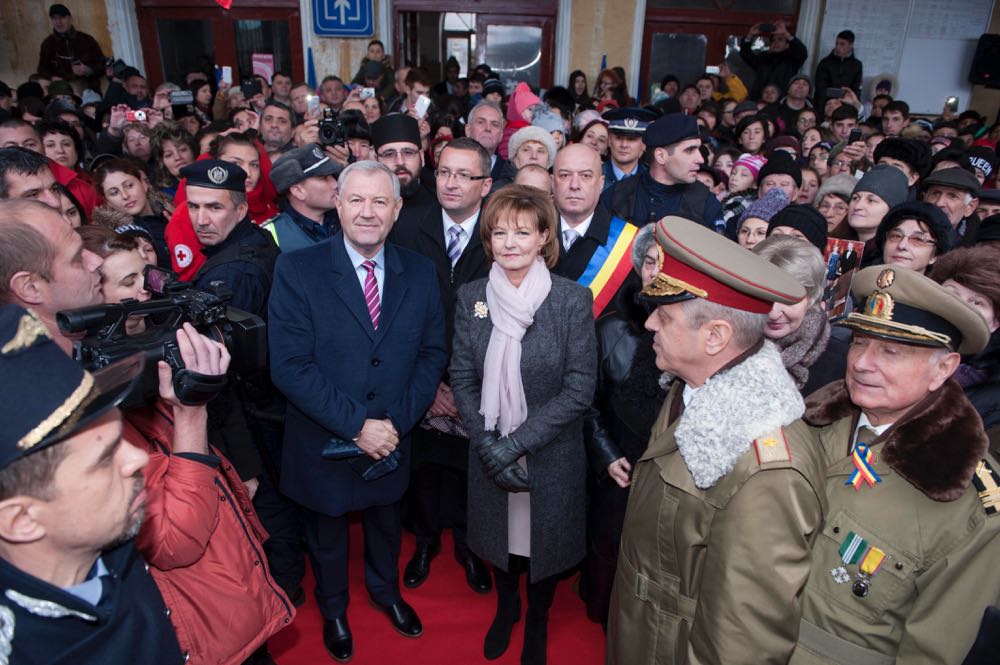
(215, 174)
(629, 120)
(49, 397)
(670, 129)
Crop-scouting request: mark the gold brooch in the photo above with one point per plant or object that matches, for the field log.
(480, 310)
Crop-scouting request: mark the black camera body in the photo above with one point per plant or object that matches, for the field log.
(331, 129)
(105, 340)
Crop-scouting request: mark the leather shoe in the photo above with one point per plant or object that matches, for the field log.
(337, 639)
(402, 617)
(419, 566)
(476, 573)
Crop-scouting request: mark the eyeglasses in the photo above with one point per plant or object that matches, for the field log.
(840, 163)
(837, 207)
(920, 241)
(390, 155)
(460, 176)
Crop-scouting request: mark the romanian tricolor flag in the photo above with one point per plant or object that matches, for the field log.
(863, 471)
(610, 264)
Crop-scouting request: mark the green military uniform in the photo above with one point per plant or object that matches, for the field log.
(728, 498)
(928, 518)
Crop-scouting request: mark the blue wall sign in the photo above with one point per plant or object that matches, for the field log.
(343, 18)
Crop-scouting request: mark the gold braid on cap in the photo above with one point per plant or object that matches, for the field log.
(65, 416)
(881, 326)
(665, 285)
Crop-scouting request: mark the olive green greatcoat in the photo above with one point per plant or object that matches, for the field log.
(942, 567)
(714, 576)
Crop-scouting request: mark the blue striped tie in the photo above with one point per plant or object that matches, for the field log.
(454, 243)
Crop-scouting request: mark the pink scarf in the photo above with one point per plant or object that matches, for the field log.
(512, 310)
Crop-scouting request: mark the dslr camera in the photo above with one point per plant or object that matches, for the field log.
(174, 303)
(331, 129)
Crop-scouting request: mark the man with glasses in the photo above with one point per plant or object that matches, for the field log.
(448, 234)
(396, 138)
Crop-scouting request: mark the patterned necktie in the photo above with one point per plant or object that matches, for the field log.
(454, 243)
(569, 237)
(371, 293)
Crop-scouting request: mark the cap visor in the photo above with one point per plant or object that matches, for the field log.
(887, 331)
(112, 384)
(651, 299)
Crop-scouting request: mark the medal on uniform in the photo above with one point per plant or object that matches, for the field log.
(870, 563)
(863, 470)
(850, 553)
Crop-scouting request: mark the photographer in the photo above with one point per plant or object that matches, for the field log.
(777, 65)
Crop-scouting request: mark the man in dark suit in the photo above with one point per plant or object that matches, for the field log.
(448, 234)
(396, 139)
(358, 348)
(485, 125)
(594, 246)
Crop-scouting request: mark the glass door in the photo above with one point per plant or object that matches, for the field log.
(517, 48)
(186, 38)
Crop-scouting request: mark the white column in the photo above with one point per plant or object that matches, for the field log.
(383, 25)
(809, 32)
(564, 21)
(123, 24)
(638, 28)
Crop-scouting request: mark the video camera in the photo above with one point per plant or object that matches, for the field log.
(174, 303)
(331, 129)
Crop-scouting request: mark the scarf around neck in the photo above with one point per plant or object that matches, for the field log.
(804, 346)
(512, 311)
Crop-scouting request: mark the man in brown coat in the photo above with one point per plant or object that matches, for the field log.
(906, 563)
(728, 498)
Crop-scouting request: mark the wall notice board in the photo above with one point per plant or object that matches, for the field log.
(927, 44)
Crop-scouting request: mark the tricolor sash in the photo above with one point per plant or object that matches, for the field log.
(610, 264)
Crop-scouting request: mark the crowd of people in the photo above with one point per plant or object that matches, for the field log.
(587, 335)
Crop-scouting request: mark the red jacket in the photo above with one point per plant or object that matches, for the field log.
(75, 183)
(202, 540)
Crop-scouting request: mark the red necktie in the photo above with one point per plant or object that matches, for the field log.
(371, 293)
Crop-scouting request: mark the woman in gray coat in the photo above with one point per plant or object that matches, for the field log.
(523, 371)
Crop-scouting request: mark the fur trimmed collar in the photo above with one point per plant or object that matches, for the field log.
(935, 446)
(734, 407)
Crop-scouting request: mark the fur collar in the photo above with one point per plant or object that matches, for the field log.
(734, 407)
(935, 446)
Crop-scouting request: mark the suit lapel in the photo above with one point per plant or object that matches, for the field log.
(393, 290)
(574, 262)
(347, 287)
(432, 228)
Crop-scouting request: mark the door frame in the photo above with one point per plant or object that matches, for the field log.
(223, 30)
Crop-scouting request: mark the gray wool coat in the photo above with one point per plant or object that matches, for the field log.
(559, 373)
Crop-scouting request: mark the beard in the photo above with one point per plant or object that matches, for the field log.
(133, 522)
(410, 188)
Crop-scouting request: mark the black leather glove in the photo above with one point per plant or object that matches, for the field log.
(498, 455)
(512, 479)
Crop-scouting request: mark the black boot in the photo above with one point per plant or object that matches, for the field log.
(508, 612)
(536, 626)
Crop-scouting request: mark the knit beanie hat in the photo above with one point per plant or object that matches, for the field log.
(765, 207)
(783, 141)
(532, 133)
(935, 219)
(886, 182)
(781, 162)
(548, 120)
(805, 219)
(841, 185)
(522, 98)
(752, 162)
(982, 158)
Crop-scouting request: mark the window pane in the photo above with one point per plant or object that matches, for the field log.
(677, 53)
(458, 48)
(262, 37)
(455, 22)
(515, 53)
(184, 45)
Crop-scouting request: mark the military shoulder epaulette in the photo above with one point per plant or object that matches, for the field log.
(987, 483)
(772, 447)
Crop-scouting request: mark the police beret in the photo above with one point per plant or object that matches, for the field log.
(953, 177)
(629, 120)
(294, 166)
(904, 306)
(215, 174)
(699, 263)
(54, 396)
(395, 128)
(670, 129)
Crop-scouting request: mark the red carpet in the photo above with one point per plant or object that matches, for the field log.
(455, 621)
